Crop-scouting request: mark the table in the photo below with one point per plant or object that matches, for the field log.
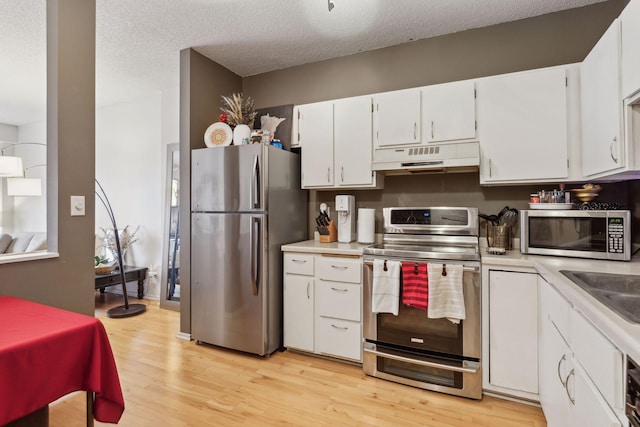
(47, 353)
(131, 273)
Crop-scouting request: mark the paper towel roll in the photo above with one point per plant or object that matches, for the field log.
(366, 225)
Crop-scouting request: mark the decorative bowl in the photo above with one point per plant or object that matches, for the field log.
(585, 195)
(105, 269)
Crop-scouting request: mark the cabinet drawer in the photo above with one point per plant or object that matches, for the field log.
(340, 269)
(556, 308)
(340, 338)
(298, 264)
(600, 359)
(339, 300)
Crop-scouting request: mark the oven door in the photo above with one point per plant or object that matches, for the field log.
(433, 354)
(412, 329)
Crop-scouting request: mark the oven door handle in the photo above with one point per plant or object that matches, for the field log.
(369, 262)
(423, 363)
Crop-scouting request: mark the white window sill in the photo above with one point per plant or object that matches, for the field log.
(27, 256)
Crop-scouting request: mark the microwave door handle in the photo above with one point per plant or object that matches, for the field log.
(422, 362)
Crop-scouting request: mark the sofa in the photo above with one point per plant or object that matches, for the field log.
(23, 242)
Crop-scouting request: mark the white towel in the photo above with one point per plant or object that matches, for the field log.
(385, 293)
(445, 293)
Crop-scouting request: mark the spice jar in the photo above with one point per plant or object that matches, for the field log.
(534, 198)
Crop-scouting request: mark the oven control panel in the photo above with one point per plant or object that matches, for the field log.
(615, 233)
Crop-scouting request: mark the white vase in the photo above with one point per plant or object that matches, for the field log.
(241, 134)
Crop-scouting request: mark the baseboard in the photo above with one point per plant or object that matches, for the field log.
(183, 336)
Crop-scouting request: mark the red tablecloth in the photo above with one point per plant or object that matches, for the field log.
(46, 353)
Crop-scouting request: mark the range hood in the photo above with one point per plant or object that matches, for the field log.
(424, 158)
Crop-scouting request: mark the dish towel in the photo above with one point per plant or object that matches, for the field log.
(385, 292)
(415, 285)
(445, 292)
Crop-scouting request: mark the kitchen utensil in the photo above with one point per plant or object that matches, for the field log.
(502, 212)
(509, 218)
(493, 219)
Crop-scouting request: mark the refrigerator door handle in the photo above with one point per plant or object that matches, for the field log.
(254, 192)
(255, 254)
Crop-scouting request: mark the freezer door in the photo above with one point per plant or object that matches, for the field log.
(228, 281)
(228, 179)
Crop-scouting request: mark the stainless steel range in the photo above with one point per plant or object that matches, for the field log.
(410, 348)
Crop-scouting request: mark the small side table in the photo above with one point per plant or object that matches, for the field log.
(131, 273)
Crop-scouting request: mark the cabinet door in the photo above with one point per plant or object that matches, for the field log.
(396, 118)
(513, 330)
(522, 126)
(630, 33)
(316, 138)
(554, 368)
(602, 149)
(298, 312)
(449, 112)
(589, 408)
(353, 143)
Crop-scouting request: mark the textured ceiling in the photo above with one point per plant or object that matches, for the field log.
(138, 41)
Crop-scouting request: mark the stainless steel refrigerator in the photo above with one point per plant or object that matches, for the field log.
(246, 202)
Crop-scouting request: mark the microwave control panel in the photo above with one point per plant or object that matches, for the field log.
(615, 233)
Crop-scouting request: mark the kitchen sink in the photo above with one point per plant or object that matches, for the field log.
(619, 292)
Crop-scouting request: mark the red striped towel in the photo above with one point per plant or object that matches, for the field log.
(415, 287)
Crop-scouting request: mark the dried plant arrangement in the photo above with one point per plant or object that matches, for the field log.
(239, 110)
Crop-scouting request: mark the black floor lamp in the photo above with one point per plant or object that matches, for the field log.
(126, 310)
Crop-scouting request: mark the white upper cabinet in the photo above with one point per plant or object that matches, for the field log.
(602, 140)
(523, 126)
(449, 112)
(315, 125)
(630, 33)
(352, 141)
(335, 140)
(396, 118)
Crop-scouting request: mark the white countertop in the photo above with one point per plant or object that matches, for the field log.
(335, 248)
(623, 334)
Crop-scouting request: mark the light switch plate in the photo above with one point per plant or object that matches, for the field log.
(77, 206)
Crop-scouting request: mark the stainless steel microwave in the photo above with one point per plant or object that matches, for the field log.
(595, 234)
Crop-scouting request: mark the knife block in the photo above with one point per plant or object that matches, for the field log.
(333, 234)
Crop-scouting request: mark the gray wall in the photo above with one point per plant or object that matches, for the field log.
(553, 39)
(202, 83)
(67, 281)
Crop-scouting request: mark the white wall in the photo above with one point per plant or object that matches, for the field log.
(131, 143)
(30, 213)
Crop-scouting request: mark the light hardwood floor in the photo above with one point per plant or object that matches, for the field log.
(172, 382)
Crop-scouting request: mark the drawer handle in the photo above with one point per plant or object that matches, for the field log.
(563, 358)
(339, 267)
(339, 289)
(573, 401)
(298, 260)
(342, 328)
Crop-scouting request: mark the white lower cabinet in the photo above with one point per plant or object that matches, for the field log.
(510, 331)
(298, 301)
(323, 310)
(513, 328)
(581, 371)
